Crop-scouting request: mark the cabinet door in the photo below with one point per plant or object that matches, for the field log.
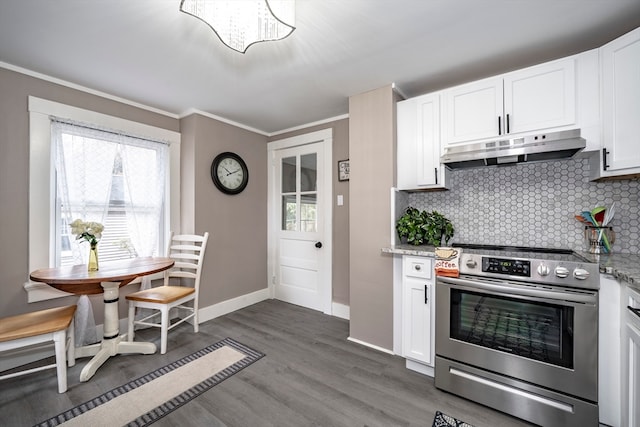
(632, 386)
(428, 144)
(540, 97)
(417, 320)
(474, 111)
(631, 360)
(621, 101)
(609, 347)
(407, 140)
(418, 143)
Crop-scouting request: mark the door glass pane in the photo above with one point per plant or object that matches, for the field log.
(530, 329)
(308, 210)
(289, 175)
(308, 172)
(289, 212)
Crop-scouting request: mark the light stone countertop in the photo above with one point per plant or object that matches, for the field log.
(624, 267)
(420, 250)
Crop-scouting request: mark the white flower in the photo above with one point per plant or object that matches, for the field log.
(89, 231)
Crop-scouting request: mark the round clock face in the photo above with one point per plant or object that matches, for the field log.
(229, 173)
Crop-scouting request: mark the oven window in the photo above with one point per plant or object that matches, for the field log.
(529, 329)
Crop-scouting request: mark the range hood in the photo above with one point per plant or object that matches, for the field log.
(540, 147)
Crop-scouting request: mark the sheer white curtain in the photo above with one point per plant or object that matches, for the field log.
(143, 167)
(84, 169)
(86, 160)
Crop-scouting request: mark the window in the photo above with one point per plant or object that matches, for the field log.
(303, 167)
(47, 246)
(110, 178)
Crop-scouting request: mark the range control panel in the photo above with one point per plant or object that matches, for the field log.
(509, 267)
(553, 272)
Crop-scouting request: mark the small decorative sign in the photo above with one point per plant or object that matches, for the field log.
(343, 170)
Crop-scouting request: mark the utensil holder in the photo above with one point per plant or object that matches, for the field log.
(599, 240)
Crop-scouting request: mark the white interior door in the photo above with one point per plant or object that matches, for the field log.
(300, 233)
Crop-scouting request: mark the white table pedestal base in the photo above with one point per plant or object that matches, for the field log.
(112, 342)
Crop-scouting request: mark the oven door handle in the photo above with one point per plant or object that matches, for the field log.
(586, 297)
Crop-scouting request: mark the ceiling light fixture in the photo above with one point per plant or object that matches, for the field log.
(241, 23)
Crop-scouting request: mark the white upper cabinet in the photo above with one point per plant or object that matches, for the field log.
(474, 111)
(418, 155)
(541, 97)
(536, 98)
(620, 71)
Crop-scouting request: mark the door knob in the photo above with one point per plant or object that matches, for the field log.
(318, 245)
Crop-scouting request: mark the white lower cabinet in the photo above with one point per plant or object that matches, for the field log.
(418, 333)
(609, 341)
(631, 361)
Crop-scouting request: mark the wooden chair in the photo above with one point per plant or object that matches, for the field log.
(29, 329)
(188, 251)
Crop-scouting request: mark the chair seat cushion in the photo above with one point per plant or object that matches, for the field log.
(36, 323)
(161, 294)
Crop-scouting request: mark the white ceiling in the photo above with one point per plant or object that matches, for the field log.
(148, 52)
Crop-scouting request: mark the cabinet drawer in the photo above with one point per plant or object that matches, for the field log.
(419, 267)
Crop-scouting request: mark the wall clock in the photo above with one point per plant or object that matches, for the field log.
(229, 173)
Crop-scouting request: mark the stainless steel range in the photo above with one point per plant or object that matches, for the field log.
(518, 331)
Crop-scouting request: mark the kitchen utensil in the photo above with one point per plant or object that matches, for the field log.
(582, 220)
(587, 216)
(609, 214)
(598, 214)
(598, 232)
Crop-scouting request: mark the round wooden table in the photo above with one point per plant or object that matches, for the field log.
(108, 280)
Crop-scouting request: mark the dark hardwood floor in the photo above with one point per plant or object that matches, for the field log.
(311, 376)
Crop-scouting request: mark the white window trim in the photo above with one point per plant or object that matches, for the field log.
(41, 180)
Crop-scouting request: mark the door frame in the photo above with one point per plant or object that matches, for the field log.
(325, 137)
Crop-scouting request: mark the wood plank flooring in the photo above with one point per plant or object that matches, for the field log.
(311, 376)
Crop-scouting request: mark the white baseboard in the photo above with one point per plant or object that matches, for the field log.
(340, 310)
(420, 367)
(231, 305)
(375, 347)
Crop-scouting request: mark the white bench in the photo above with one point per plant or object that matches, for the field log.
(29, 329)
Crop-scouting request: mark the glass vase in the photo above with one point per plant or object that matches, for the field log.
(599, 240)
(93, 258)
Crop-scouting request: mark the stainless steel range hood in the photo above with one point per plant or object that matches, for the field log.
(540, 147)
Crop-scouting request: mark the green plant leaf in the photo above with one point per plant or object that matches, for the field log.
(424, 227)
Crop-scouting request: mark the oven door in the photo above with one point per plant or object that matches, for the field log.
(535, 333)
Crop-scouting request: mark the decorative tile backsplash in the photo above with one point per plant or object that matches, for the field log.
(533, 204)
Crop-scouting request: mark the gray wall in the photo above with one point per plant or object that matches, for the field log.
(236, 258)
(372, 160)
(236, 261)
(534, 205)
(14, 178)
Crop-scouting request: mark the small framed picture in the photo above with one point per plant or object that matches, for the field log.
(343, 170)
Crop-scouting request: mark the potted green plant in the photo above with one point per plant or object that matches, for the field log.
(419, 228)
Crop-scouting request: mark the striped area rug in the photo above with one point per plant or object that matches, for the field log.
(444, 420)
(147, 399)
